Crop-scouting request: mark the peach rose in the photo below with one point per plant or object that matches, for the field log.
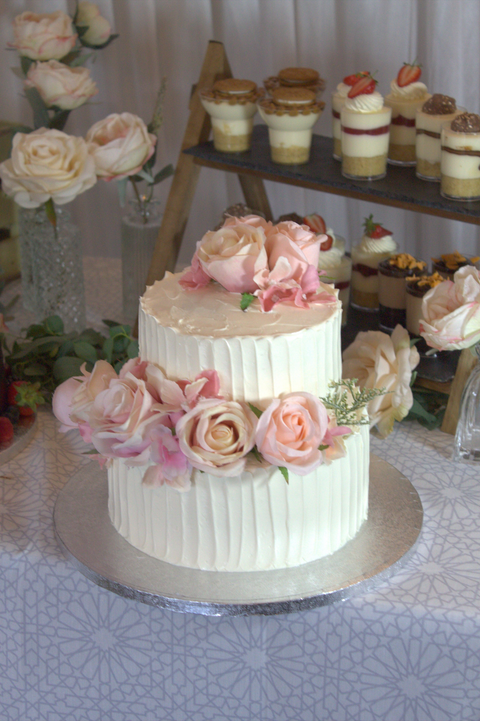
(47, 164)
(378, 360)
(120, 145)
(290, 431)
(233, 255)
(60, 85)
(215, 436)
(99, 30)
(256, 220)
(451, 312)
(297, 244)
(171, 466)
(50, 36)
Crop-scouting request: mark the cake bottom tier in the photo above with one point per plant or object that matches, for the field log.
(252, 522)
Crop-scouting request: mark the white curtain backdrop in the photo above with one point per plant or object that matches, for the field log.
(337, 37)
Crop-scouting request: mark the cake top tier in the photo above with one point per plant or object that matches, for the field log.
(214, 312)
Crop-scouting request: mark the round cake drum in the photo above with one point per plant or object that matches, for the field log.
(384, 543)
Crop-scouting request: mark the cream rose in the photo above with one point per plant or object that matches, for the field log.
(290, 431)
(47, 164)
(378, 360)
(99, 30)
(233, 255)
(295, 243)
(451, 312)
(215, 436)
(120, 145)
(61, 86)
(50, 36)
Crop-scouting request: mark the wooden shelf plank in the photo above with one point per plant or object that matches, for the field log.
(400, 188)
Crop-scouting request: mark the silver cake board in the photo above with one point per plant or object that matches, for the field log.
(384, 543)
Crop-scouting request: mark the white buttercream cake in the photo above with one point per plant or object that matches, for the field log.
(256, 520)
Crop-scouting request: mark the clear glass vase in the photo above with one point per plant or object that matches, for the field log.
(51, 266)
(140, 229)
(467, 438)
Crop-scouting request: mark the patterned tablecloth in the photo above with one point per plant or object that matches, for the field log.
(69, 650)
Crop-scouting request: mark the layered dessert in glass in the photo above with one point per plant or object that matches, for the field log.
(417, 287)
(460, 160)
(290, 115)
(392, 291)
(338, 101)
(448, 263)
(406, 96)
(438, 109)
(377, 244)
(365, 132)
(231, 104)
(296, 78)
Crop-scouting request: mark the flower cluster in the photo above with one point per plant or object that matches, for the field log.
(451, 312)
(173, 427)
(275, 263)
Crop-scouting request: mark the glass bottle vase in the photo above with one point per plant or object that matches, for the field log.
(140, 229)
(51, 266)
(467, 438)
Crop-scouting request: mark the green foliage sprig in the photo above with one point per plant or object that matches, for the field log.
(48, 356)
(347, 401)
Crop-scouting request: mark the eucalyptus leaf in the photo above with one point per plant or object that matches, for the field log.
(146, 176)
(66, 348)
(120, 344)
(108, 349)
(116, 330)
(66, 367)
(86, 351)
(81, 60)
(132, 350)
(41, 118)
(109, 323)
(54, 324)
(164, 173)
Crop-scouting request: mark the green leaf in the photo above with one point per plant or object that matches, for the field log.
(413, 378)
(115, 330)
(110, 323)
(414, 341)
(86, 351)
(54, 325)
(132, 350)
(108, 349)
(92, 336)
(41, 119)
(51, 213)
(164, 173)
(323, 447)
(66, 367)
(35, 369)
(122, 193)
(59, 119)
(284, 472)
(118, 366)
(81, 59)
(65, 349)
(120, 344)
(25, 63)
(247, 299)
(146, 176)
(112, 37)
(35, 331)
(255, 410)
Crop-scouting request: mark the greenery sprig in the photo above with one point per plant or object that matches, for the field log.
(347, 400)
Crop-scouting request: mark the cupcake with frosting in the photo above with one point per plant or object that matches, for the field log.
(376, 244)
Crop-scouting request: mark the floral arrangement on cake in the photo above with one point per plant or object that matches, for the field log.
(141, 417)
(274, 263)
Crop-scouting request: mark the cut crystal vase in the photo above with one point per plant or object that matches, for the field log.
(467, 438)
(51, 265)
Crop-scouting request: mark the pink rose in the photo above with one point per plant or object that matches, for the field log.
(194, 277)
(50, 36)
(256, 220)
(290, 432)
(335, 440)
(216, 435)
(233, 255)
(62, 403)
(120, 145)
(91, 384)
(297, 244)
(277, 287)
(121, 418)
(171, 465)
(60, 85)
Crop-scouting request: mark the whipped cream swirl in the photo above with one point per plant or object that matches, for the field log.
(414, 91)
(333, 257)
(365, 103)
(377, 245)
(343, 89)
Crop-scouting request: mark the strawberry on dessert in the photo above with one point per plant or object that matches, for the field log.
(339, 96)
(365, 125)
(407, 94)
(376, 245)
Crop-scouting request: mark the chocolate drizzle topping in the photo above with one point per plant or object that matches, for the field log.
(439, 105)
(466, 123)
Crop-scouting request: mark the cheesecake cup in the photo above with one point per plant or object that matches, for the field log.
(231, 104)
(296, 78)
(338, 270)
(404, 102)
(365, 125)
(290, 115)
(392, 288)
(338, 101)
(460, 159)
(416, 289)
(429, 119)
(448, 264)
(366, 257)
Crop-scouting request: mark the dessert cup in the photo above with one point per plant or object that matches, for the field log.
(392, 293)
(448, 264)
(364, 290)
(338, 101)
(290, 116)
(338, 270)
(296, 78)
(231, 104)
(401, 148)
(428, 128)
(365, 138)
(416, 289)
(460, 160)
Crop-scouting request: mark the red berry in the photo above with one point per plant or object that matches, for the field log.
(315, 222)
(374, 230)
(352, 79)
(327, 244)
(408, 73)
(6, 429)
(364, 86)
